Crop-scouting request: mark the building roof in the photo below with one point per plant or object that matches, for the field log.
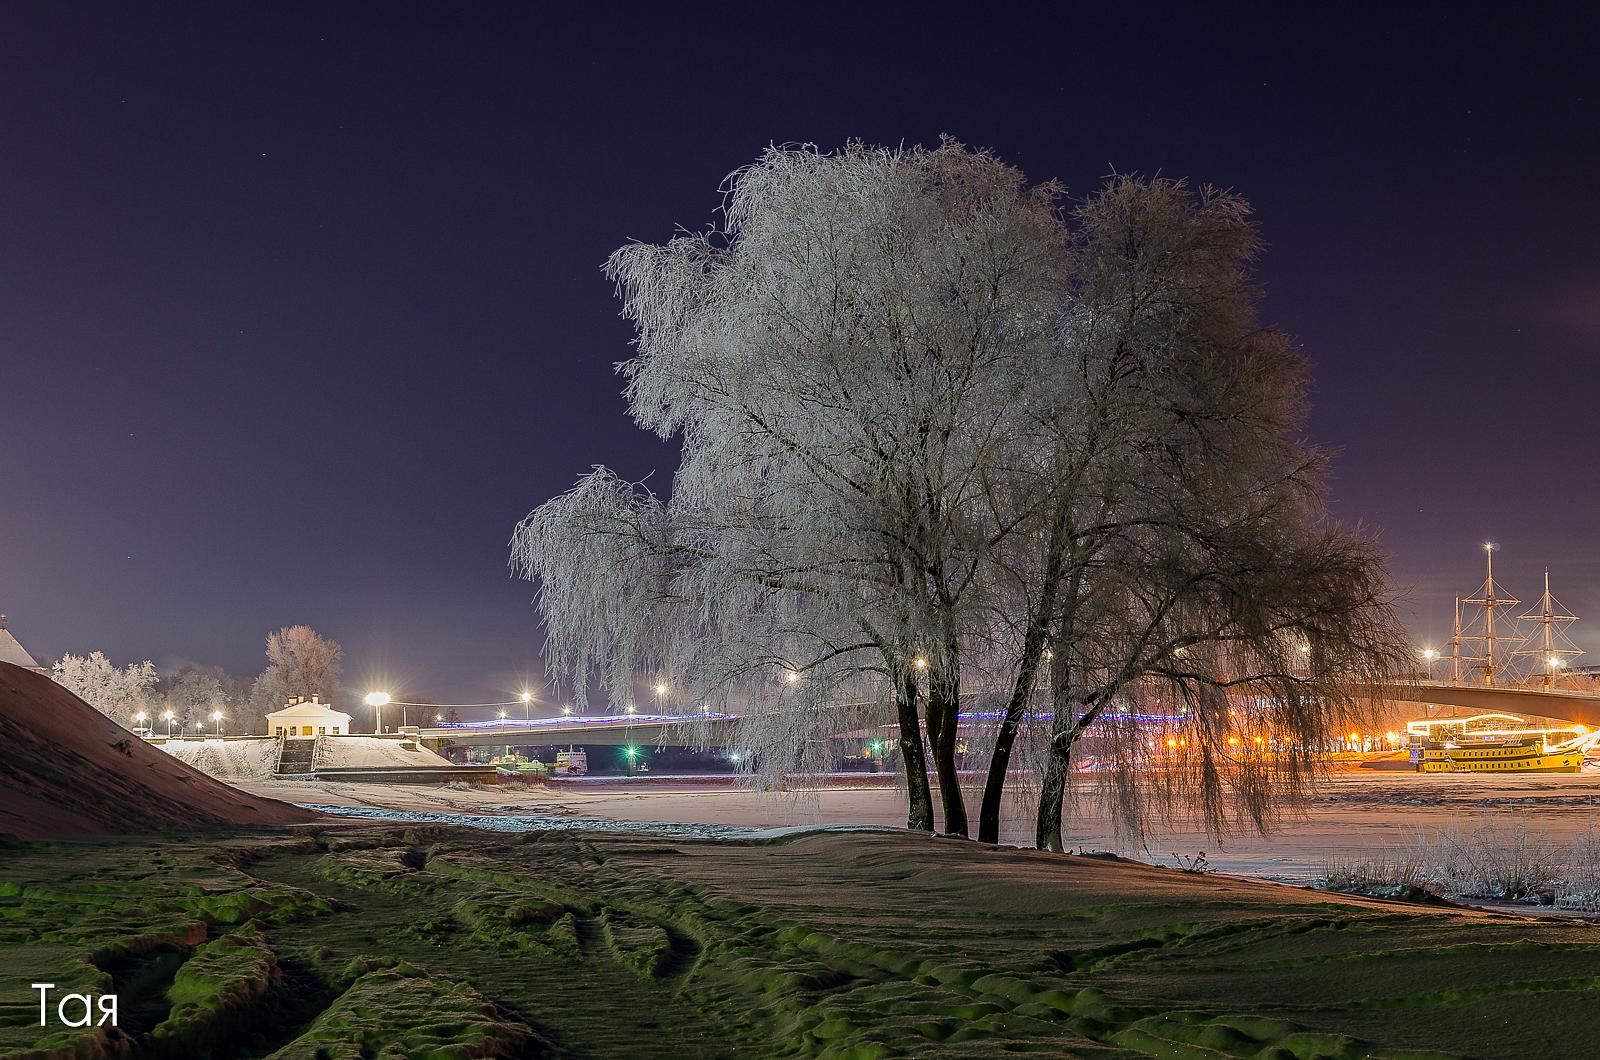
(12, 652)
(309, 710)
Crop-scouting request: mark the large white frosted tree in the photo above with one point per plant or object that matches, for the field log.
(837, 358)
(937, 434)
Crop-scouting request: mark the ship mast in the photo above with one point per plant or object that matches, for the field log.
(1489, 600)
(1455, 646)
(1554, 648)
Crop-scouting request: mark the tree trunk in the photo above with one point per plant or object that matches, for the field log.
(1033, 647)
(1052, 792)
(919, 809)
(943, 710)
(1064, 730)
(994, 785)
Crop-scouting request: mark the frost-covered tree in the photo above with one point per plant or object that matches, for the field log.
(300, 662)
(1173, 539)
(935, 434)
(840, 358)
(193, 694)
(119, 694)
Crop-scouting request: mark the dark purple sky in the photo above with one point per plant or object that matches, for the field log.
(300, 304)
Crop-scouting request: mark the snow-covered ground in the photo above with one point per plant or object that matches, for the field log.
(349, 752)
(1355, 814)
(255, 758)
(252, 759)
(546, 823)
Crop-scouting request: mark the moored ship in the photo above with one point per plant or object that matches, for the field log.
(1528, 755)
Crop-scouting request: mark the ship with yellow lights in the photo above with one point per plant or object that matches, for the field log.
(1527, 755)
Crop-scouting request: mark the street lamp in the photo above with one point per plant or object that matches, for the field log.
(167, 717)
(527, 698)
(567, 709)
(139, 719)
(216, 716)
(1428, 655)
(377, 700)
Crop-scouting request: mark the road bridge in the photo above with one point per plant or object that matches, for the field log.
(1580, 708)
(613, 730)
(621, 730)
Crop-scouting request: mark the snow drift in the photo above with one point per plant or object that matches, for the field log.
(66, 770)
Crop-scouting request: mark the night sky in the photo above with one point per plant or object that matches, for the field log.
(301, 309)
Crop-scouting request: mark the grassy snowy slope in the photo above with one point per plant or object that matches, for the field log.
(448, 942)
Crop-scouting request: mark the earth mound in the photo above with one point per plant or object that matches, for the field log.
(66, 770)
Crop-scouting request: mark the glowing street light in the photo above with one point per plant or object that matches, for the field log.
(167, 717)
(216, 716)
(920, 662)
(527, 698)
(1428, 656)
(566, 708)
(377, 701)
(791, 676)
(631, 709)
(140, 719)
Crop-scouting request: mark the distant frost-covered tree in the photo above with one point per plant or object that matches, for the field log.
(119, 694)
(193, 694)
(838, 358)
(300, 662)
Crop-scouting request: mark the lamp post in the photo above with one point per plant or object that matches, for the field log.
(661, 690)
(527, 699)
(167, 717)
(1428, 655)
(140, 719)
(216, 716)
(376, 701)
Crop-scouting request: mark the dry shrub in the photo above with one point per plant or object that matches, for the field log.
(1392, 872)
(1580, 884)
(1510, 863)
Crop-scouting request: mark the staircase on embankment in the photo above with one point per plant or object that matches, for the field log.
(295, 757)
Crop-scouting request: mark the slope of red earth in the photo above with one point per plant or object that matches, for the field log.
(68, 771)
